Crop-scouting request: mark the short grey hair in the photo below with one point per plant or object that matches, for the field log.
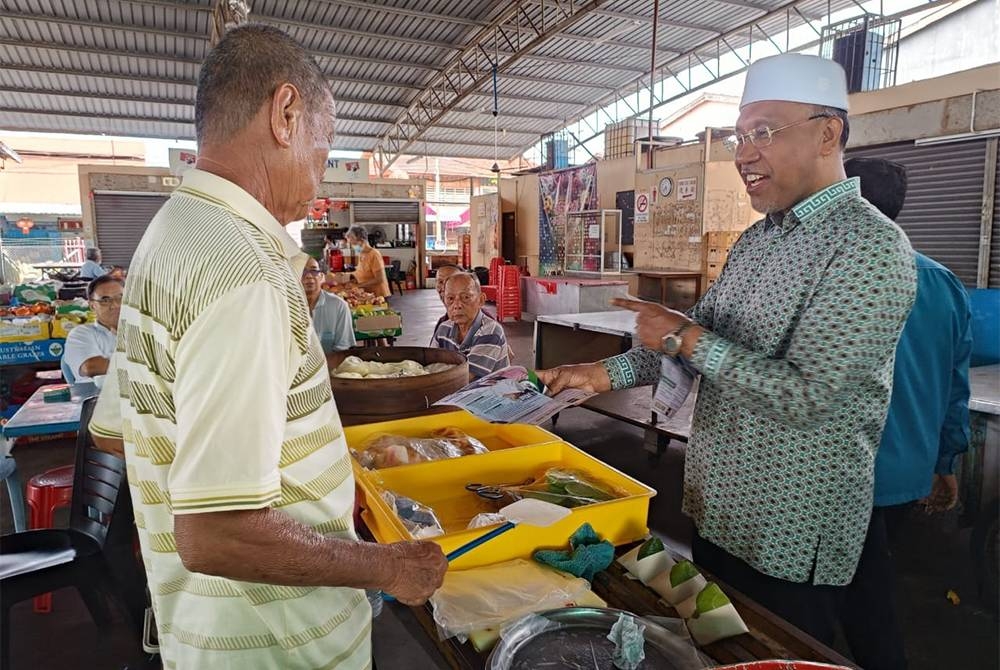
(93, 253)
(358, 232)
(242, 73)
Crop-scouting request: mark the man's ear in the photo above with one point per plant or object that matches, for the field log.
(832, 130)
(286, 114)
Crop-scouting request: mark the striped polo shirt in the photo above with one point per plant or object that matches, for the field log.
(485, 345)
(222, 397)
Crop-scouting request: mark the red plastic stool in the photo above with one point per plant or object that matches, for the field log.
(46, 493)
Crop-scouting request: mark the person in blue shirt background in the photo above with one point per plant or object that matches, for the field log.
(926, 428)
(331, 315)
(91, 268)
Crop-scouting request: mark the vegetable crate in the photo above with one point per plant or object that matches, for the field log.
(441, 485)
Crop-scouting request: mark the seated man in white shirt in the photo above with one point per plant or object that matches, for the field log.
(89, 347)
(331, 315)
(92, 268)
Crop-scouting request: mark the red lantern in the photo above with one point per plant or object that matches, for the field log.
(25, 224)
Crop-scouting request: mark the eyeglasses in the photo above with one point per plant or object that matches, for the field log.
(107, 301)
(311, 273)
(763, 136)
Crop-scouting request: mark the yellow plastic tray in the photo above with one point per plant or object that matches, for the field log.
(494, 435)
(441, 485)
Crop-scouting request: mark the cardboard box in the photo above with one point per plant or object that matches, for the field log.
(21, 353)
(713, 270)
(23, 330)
(716, 255)
(387, 324)
(722, 239)
(62, 324)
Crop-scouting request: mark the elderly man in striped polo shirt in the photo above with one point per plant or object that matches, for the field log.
(236, 459)
(469, 330)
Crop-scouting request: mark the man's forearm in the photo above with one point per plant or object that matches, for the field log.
(365, 284)
(94, 366)
(270, 547)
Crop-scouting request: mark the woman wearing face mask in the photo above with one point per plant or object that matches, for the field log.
(370, 269)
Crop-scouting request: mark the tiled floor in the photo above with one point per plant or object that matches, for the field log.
(932, 555)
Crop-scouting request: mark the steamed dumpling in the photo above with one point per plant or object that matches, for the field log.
(354, 365)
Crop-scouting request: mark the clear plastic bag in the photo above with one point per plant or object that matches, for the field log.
(565, 487)
(419, 519)
(386, 451)
(488, 597)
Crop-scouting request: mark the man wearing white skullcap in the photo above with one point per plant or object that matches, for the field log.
(795, 344)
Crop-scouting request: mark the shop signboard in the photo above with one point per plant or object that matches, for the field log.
(340, 170)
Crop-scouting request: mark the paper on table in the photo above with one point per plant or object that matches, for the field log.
(30, 561)
(511, 396)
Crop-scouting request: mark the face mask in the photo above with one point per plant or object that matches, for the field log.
(357, 248)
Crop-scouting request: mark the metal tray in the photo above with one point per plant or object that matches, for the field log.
(578, 641)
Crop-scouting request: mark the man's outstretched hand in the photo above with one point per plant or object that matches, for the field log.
(590, 377)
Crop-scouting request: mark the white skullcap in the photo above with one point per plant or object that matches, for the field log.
(796, 78)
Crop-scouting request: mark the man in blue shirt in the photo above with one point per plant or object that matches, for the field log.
(91, 269)
(926, 428)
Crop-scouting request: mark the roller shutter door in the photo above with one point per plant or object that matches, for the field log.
(944, 200)
(995, 235)
(121, 221)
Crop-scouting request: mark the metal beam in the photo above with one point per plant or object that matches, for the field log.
(664, 68)
(461, 76)
(703, 27)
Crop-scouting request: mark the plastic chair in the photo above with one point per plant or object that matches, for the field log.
(94, 554)
(508, 299)
(8, 472)
(394, 273)
(67, 373)
(490, 290)
(47, 492)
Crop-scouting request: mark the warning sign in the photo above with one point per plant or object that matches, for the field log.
(642, 207)
(687, 189)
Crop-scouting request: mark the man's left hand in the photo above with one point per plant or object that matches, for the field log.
(653, 322)
(944, 494)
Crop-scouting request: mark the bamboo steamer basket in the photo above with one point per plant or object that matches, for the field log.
(372, 400)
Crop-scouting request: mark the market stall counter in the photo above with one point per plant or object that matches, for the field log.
(448, 478)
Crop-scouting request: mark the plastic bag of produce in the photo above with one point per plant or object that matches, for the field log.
(565, 487)
(387, 451)
(419, 519)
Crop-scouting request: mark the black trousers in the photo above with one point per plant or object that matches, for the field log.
(868, 608)
(865, 608)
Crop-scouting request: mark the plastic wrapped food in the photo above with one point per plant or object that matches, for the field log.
(679, 583)
(565, 487)
(387, 451)
(489, 596)
(419, 519)
(353, 367)
(647, 560)
(714, 617)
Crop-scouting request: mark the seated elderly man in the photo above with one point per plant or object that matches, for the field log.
(469, 330)
(89, 347)
(331, 315)
(92, 268)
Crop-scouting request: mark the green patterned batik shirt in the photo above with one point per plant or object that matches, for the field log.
(796, 378)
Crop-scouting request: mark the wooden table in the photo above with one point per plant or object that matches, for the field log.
(654, 284)
(769, 637)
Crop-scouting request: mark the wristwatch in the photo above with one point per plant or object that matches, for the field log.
(672, 342)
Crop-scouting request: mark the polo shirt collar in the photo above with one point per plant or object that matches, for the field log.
(228, 195)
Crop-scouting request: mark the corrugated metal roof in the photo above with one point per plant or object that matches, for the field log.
(128, 67)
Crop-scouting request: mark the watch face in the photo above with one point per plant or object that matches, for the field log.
(671, 344)
(666, 186)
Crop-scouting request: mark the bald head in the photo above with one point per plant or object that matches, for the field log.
(444, 273)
